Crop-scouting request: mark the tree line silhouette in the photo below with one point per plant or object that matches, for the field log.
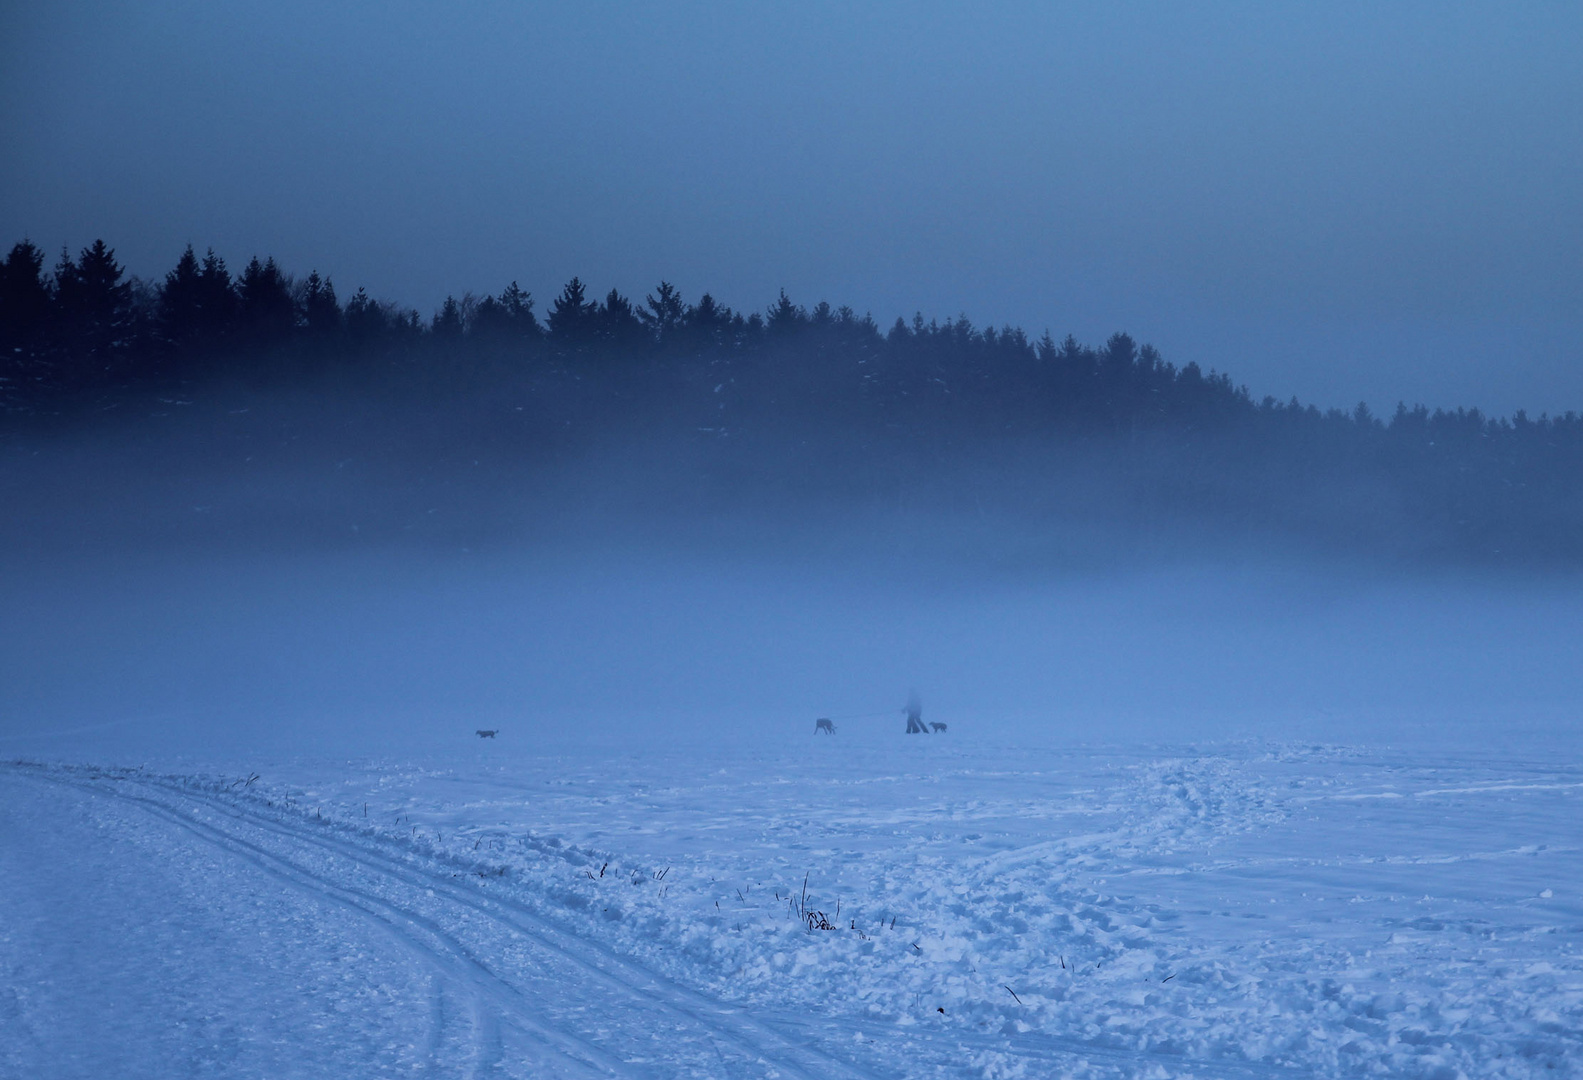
(83, 331)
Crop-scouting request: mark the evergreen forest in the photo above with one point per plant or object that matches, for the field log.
(790, 406)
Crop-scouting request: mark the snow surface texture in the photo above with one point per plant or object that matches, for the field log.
(1221, 909)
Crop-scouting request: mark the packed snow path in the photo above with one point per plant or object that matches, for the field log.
(534, 1000)
(1231, 911)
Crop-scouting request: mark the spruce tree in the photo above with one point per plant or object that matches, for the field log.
(267, 313)
(366, 320)
(663, 312)
(25, 302)
(94, 315)
(319, 310)
(180, 301)
(616, 323)
(571, 316)
(448, 324)
(217, 300)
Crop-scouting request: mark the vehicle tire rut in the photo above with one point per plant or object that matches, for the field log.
(639, 1017)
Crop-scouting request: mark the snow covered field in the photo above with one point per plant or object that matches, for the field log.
(1196, 823)
(1240, 908)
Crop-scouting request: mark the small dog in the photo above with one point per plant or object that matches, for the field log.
(823, 725)
(937, 725)
(490, 734)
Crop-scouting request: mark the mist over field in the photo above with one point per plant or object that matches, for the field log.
(1209, 795)
(269, 570)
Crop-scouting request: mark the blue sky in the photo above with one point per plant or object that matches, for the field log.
(1338, 201)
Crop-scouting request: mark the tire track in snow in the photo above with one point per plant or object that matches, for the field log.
(1056, 1053)
(413, 931)
(653, 992)
(646, 992)
(906, 1052)
(286, 875)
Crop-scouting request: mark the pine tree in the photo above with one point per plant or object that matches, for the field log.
(366, 320)
(448, 324)
(785, 317)
(506, 318)
(616, 323)
(216, 298)
(320, 314)
(708, 324)
(571, 316)
(180, 301)
(663, 312)
(25, 302)
(267, 314)
(93, 313)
